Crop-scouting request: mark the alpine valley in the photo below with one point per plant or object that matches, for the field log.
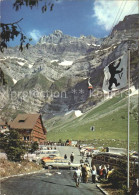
(51, 78)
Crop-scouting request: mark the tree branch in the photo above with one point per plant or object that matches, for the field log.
(14, 22)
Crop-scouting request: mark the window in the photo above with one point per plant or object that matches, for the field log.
(21, 121)
(26, 138)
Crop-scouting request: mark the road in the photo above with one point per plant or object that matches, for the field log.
(68, 150)
(50, 182)
(55, 182)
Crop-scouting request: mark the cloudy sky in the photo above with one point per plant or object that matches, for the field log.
(73, 17)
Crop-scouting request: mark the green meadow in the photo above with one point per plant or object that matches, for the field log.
(109, 119)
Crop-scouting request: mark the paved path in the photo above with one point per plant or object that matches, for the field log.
(56, 182)
(68, 150)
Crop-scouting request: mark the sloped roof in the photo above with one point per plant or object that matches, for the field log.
(24, 121)
(9, 123)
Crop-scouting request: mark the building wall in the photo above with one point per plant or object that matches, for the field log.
(37, 133)
(26, 134)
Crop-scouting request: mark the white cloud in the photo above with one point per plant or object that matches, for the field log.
(35, 35)
(107, 11)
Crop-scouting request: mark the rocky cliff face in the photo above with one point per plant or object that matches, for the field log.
(125, 30)
(130, 23)
(58, 37)
(51, 77)
(51, 56)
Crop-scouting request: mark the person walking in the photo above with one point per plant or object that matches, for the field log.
(77, 176)
(84, 173)
(65, 156)
(134, 189)
(94, 173)
(101, 172)
(72, 157)
(88, 173)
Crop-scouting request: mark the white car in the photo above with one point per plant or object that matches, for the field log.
(61, 164)
(45, 153)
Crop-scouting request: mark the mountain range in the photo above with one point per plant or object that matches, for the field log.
(51, 77)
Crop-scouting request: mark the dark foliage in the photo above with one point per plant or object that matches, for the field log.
(31, 3)
(9, 32)
(34, 147)
(2, 140)
(118, 177)
(12, 145)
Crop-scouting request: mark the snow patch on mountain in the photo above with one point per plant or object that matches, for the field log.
(76, 112)
(30, 65)
(15, 81)
(21, 63)
(66, 63)
(12, 57)
(54, 61)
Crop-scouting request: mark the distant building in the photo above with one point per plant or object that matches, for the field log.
(30, 127)
(4, 126)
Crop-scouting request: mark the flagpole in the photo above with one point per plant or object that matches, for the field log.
(128, 136)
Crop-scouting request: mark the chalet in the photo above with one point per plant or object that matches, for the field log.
(30, 127)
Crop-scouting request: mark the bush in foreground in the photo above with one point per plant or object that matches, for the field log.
(12, 145)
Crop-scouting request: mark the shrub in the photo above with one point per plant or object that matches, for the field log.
(13, 146)
(34, 147)
(117, 178)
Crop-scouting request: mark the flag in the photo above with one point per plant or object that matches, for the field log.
(115, 75)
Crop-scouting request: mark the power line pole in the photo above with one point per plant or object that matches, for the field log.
(128, 136)
(138, 115)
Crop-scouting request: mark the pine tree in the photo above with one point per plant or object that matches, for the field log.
(13, 146)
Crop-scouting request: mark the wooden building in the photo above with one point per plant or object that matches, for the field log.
(30, 127)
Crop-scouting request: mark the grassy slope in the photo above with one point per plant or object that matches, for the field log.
(109, 119)
(29, 83)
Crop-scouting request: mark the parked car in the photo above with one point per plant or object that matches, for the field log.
(46, 153)
(30, 157)
(63, 164)
(87, 151)
(52, 158)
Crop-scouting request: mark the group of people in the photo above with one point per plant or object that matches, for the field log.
(84, 172)
(104, 171)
